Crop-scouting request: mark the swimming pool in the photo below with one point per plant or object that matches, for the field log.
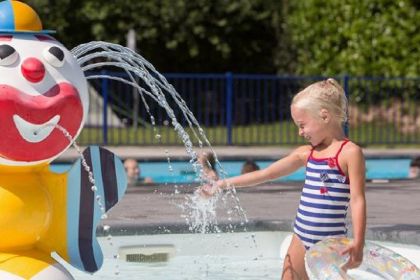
(182, 171)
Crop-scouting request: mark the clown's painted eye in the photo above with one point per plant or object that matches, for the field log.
(8, 55)
(54, 56)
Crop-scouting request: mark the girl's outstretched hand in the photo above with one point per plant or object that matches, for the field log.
(208, 190)
(355, 256)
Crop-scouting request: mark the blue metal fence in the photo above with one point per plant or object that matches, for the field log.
(239, 109)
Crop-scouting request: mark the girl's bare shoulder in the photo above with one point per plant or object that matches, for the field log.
(303, 152)
(352, 149)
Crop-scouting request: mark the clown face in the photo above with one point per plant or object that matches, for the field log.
(41, 88)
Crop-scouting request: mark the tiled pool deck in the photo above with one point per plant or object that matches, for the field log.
(393, 207)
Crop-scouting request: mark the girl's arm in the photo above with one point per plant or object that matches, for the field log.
(356, 172)
(279, 168)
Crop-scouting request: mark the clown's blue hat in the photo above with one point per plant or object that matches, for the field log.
(18, 17)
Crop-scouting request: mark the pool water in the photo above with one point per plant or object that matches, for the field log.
(182, 172)
(225, 256)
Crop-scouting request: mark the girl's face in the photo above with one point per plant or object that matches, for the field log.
(311, 127)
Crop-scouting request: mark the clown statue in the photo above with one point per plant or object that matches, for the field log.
(43, 96)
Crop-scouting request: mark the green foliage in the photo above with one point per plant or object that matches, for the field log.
(66, 18)
(307, 37)
(175, 35)
(372, 37)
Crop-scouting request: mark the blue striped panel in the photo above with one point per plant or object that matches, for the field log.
(97, 175)
(73, 202)
(83, 248)
(121, 177)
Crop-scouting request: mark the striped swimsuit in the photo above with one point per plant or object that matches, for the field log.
(324, 201)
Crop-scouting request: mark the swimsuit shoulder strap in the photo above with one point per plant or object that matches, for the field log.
(311, 154)
(341, 147)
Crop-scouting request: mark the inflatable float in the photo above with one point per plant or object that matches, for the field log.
(44, 102)
(323, 261)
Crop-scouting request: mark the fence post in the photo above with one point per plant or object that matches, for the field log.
(346, 92)
(229, 105)
(104, 88)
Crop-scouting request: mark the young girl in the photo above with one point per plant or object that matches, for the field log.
(335, 177)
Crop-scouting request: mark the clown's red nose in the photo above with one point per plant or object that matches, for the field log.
(33, 69)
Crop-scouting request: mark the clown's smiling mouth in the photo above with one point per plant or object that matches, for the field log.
(27, 121)
(35, 133)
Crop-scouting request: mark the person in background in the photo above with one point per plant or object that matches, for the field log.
(414, 171)
(134, 173)
(249, 166)
(208, 162)
(335, 178)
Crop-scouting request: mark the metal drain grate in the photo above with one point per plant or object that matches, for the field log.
(141, 258)
(147, 253)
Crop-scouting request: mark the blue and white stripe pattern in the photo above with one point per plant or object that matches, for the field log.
(324, 201)
(83, 210)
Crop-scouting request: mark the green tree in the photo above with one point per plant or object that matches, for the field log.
(175, 35)
(372, 37)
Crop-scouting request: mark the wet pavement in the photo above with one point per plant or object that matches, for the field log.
(393, 206)
(393, 209)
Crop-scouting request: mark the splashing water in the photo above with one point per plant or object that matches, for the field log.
(200, 212)
(91, 178)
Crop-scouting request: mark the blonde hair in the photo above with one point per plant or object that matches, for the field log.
(327, 94)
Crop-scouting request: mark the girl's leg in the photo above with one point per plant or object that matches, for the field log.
(294, 261)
